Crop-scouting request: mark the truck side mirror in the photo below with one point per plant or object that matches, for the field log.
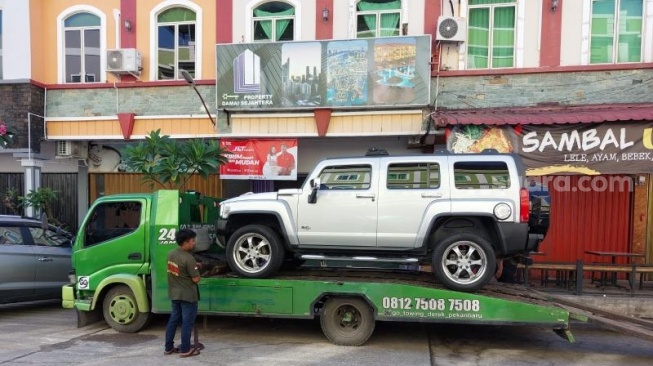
(315, 186)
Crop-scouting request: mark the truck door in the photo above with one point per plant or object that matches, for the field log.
(113, 238)
(407, 190)
(344, 213)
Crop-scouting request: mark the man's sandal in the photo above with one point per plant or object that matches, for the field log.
(173, 350)
(190, 353)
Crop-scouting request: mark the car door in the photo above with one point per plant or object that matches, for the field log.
(408, 189)
(17, 265)
(52, 251)
(344, 213)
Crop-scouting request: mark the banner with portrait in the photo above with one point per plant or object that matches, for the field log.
(264, 159)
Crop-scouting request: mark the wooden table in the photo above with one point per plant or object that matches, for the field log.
(613, 260)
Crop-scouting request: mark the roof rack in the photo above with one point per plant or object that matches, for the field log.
(373, 151)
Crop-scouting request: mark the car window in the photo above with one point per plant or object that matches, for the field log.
(481, 175)
(413, 176)
(351, 177)
(47, 237)
(11, 235)
(111, 220)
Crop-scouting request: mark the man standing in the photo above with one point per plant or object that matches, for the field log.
(183, 276)
(285, 161)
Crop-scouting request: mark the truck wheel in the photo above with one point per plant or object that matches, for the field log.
(121, 310)
(255, 251)
(464, 262)
(347, 322)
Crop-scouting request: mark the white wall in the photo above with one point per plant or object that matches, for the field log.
(572, 26)
(16, 55)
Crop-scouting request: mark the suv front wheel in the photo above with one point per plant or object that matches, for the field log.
(255, 251)
(464, 262)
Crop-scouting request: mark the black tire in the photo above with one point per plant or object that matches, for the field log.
(121, 311)
(347, 321)
(255, 251)
(460, 272)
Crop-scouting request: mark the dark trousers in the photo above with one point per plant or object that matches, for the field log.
(184, 313)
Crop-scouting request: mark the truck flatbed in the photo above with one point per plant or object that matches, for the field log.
(348, 302)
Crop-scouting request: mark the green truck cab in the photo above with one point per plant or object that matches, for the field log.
(120, 250)
(119, 264)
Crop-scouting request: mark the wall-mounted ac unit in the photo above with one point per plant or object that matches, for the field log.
(72, 149)
(451, 29)
(124, 61)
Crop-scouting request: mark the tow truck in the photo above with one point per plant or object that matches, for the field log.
(119, 261)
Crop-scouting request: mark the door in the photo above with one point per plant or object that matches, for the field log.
(113, 239)
(17, 266)
(345, 212)
(407, 190)
(52, 252)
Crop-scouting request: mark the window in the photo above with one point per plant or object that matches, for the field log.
(378, 18)
(82, 48)
(274, 21)
(616, 31)
(48, 237)
(112, 220)
(491, 34)
(11, 235)
(481, 175)
(346, 177)
(413, 176)
(176, 43)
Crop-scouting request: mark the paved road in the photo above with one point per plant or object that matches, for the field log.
(45, 334)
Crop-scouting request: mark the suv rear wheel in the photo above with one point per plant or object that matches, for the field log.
(464, 262)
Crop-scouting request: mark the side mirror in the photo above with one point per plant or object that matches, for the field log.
(315, 186)
(44, 221)
(315, 183)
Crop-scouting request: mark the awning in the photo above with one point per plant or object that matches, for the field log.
(541, 115)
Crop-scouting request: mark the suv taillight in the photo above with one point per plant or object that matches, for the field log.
(524, 205)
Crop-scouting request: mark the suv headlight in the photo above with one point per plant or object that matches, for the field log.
(502, 211)
(224, 210)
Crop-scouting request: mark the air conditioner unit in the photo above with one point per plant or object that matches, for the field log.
(124, 61)
(72, 149)
(451, 29)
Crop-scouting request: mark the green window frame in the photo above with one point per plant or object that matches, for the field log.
(378, 18)
(176, 43)
(491, 34)
(616, 31)
(273, 21)
(82, 43)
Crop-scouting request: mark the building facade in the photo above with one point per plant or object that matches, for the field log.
(107, 73)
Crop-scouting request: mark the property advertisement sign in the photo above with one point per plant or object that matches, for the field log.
(598, 148)
(260, 159)
(389, 72)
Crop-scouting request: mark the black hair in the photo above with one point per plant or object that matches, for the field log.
(184, 235)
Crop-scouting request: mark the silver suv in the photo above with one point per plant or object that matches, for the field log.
(34, 262)
(459, 213)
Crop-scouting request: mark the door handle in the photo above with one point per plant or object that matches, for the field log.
(432, 195)
(363, 195)
(45, 259)
(134, 256)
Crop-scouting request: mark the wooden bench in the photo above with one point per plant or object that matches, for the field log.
(571, 274)
(564, 272)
